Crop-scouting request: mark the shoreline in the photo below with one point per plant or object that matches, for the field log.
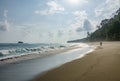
(99, 65)
(29, 69)
(35, 55)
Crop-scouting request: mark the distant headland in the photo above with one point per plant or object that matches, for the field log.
(20, 42)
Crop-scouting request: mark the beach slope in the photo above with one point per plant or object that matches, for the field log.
(101, 65)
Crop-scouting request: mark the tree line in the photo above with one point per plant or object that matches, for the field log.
(108, 30)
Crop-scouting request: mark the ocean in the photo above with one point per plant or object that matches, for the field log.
(8, 50)
(29, 69)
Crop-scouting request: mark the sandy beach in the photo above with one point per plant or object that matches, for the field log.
(26, 68)
(103, 64)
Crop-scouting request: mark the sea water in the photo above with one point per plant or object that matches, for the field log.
(29, 69)
(8, 50)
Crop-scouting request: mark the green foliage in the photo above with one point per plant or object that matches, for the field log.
(109, 29)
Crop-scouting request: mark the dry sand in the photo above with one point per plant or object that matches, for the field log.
(101, 65)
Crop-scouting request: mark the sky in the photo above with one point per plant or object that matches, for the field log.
(52, 21)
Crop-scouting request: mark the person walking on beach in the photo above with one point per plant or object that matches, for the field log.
(100, 43)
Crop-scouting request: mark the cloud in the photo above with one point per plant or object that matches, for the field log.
(50, 34)
(84, 1)
(53, 8)
(5, 13)
(86, 26)
(80, 16)
(4, 25)
(26, 29)
(82, 23)
(76, 2)
(105, 9)
(79, 29)
(60, 33)
(99, 12)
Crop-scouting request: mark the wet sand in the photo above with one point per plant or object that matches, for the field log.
(101, 65)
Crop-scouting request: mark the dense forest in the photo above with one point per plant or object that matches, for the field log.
(108, 30)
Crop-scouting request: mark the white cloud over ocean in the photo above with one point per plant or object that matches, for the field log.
(4, 25)
(52, 20)
(52, 8)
